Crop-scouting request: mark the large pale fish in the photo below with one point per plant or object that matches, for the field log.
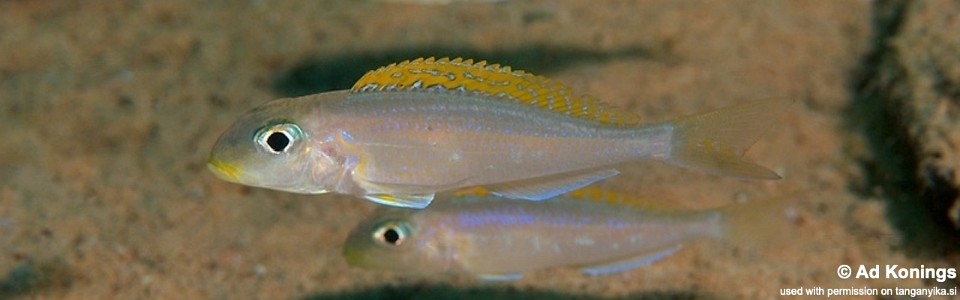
(501, 239)
(407, 131)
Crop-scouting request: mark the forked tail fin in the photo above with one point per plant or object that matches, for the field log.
(714, 141)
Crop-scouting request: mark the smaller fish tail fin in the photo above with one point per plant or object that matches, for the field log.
(759, 224)
(714, 142)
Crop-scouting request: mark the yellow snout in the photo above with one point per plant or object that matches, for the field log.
(224, 170)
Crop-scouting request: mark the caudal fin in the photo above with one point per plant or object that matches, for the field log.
(762, 222)
(714, 142)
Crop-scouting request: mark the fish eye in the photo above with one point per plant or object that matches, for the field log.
(391, 234)
(279, 138)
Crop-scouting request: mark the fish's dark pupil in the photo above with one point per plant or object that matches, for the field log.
(278, 141)
(391, 236)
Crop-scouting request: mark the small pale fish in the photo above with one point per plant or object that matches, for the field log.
(493, 238)
(409, 130)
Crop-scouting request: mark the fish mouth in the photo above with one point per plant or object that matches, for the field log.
(224, 170)
(353, 257)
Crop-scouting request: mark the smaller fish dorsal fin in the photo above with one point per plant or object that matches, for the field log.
(601, 195)
(593, 193)
(490, 79)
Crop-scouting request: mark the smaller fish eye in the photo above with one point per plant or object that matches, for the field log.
(390, 234)
(278, 138)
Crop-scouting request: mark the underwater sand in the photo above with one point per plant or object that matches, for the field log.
(108, 111)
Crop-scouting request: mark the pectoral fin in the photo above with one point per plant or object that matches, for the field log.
(632, 263)
(416, 201)
(542, 188)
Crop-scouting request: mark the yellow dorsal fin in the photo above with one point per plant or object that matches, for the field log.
(476, 191)
(490, 79)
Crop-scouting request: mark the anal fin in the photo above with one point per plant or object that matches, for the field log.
(632, 263)
(547, 187)
(416, 201)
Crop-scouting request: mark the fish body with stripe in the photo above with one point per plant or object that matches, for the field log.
(494, 238)
(407, 131)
